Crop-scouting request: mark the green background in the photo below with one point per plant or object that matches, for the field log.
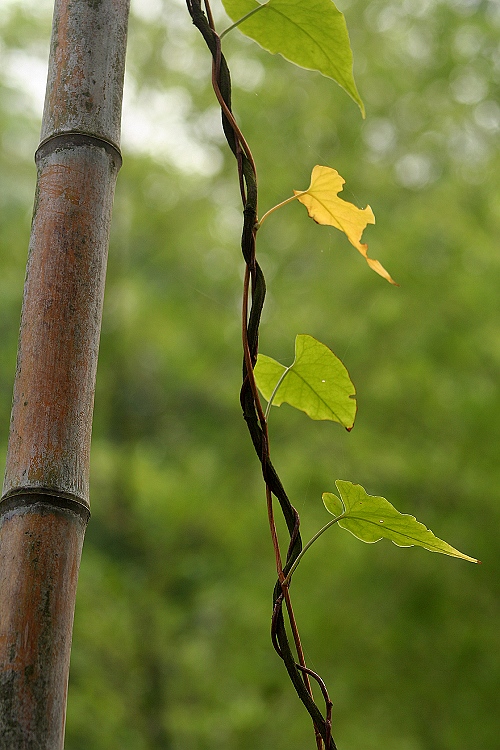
(171, 644)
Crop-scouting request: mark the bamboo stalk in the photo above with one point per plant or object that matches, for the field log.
(45, 504)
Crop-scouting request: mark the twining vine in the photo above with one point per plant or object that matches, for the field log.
(316, 382)
(255, 287)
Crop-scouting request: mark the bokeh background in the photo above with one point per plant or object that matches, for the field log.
(171, 644)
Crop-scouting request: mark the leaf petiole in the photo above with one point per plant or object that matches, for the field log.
(283, 203)
(273, 394)
(299, 557)
(237, 23)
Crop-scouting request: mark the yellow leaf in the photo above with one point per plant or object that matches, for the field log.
(325, 207)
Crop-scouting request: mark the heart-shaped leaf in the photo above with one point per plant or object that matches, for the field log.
(317, 382)
(309, 33)
(371, 518)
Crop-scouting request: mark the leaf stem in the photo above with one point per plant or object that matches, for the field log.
(283, 203)
(299, 557)
(237, 23)
(273, 394)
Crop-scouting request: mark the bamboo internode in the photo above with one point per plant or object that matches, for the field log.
(45, 504)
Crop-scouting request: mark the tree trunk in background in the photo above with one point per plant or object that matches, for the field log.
(45, 504)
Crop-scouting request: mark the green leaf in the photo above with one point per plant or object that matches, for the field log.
(317, 382)
(372, 518)
(309, 33)
(333, 504)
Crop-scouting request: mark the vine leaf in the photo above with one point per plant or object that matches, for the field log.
(317, 382)
(310, 33)
(371, 518)
(325, 207)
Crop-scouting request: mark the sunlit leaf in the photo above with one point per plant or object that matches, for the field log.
(371, 518)
(309, 33)
(317, 382)
(325, 207)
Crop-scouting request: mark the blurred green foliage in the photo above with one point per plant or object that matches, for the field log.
(171, 647)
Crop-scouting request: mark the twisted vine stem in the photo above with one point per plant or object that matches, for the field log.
(254, 291)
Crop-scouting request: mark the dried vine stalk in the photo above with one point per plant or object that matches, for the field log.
(254, 291)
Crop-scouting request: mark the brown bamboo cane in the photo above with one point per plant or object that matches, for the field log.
(44, 508)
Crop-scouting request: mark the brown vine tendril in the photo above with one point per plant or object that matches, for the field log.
(254, 291)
